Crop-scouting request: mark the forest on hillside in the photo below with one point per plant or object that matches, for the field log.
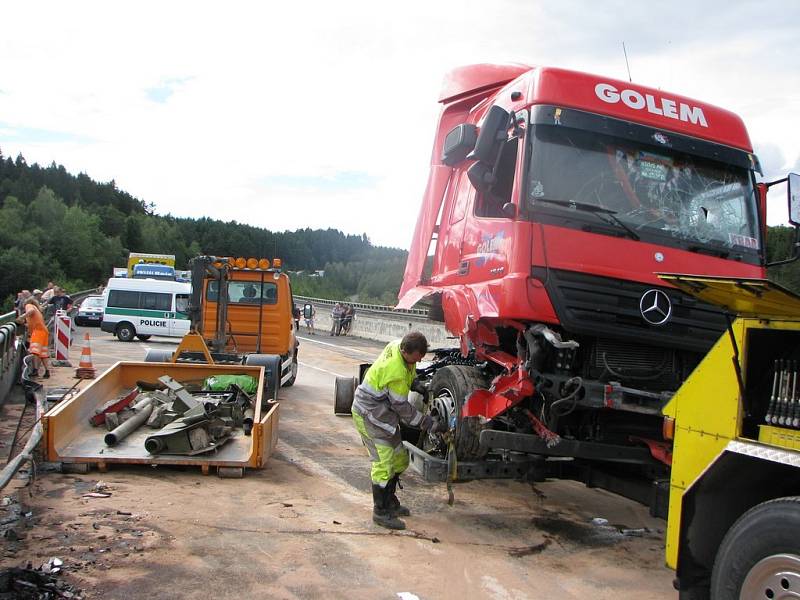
(73, 230)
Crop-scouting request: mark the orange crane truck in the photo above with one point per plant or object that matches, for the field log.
(240, 311)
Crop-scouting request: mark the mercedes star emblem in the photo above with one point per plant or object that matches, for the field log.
(655, 307)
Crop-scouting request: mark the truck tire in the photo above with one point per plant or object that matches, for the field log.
(272, 371)
(759, 557)
(157, 355)
(450, 386)
(294, 368)
(344, 389)
(125, 332)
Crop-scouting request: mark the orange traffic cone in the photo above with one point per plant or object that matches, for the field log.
(85, 369)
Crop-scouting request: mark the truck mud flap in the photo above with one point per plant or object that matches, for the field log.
(434, 470)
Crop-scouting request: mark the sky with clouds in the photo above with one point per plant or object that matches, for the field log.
(321, 114)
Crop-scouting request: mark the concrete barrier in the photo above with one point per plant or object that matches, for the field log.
(383, 328)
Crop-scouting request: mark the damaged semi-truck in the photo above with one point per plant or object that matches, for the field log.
(554, 198)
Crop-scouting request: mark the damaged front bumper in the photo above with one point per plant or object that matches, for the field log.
(435, 470)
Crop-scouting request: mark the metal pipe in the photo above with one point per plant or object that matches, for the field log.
(27, 452)
(247, 421)
(142, 410)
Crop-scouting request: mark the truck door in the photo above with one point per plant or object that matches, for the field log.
(451, 237)
(487, 234)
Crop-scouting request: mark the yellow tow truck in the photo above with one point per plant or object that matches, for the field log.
(733, 530)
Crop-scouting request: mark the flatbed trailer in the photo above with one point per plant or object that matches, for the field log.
(71, 440)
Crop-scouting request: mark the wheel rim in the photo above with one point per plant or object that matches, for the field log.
(443, 406)
(775, 577)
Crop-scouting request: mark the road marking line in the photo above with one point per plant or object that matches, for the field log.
(348, 348)
(302, 364)
(296, 456)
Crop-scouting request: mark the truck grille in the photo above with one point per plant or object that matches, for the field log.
(608, 309)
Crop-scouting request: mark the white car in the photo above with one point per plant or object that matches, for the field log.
(90, 312)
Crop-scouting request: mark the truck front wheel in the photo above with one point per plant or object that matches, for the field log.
(760, 555)
(450, 386)
(293, 368)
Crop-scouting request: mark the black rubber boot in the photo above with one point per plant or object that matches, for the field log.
(397, 509)
(381, 514)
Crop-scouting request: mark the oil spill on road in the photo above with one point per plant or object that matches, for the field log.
(530, 550)
(570, 530)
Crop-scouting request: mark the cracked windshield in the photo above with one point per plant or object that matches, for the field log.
(650, 189)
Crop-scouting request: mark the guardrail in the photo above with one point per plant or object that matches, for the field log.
(374, 308)
(11, 352)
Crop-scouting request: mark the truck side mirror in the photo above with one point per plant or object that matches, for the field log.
(793, 193)
(458, 143)
(510, 210)
(493, 132)
(481, 177)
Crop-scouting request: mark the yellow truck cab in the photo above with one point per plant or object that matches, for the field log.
(733, 529)
(241, 313)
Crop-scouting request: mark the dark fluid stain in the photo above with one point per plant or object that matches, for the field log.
(530, 550)
(576, 532)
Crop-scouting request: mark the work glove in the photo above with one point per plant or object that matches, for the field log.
(438, 426)
(432, 424)
(419, 387)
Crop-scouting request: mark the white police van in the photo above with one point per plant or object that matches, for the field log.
(144, 307)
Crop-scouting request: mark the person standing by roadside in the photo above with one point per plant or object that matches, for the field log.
(60, 300)
(379, 405)
(49, 292)
(19, 303)
(347, 319)
(34, 322)
(309, 312)
(296, 316)
(337, 314)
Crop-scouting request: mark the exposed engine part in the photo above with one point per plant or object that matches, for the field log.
(551, 438)
(559, 407)
(551, 336)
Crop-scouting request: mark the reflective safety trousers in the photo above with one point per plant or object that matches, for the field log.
(388, 458)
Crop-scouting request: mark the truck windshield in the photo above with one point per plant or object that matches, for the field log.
(658, 191)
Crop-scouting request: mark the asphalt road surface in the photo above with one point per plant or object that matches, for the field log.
(301, 527)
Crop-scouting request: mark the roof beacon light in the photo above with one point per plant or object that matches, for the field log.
(263, 263)
(240, 262)
(276, 263)
(252, 263)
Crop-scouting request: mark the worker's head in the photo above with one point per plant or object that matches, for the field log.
(249, 291)
(413, 347)
(33, 301)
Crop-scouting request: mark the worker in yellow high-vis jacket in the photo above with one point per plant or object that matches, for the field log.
(380, 404)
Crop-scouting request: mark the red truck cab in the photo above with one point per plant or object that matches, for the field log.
(554, 199)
